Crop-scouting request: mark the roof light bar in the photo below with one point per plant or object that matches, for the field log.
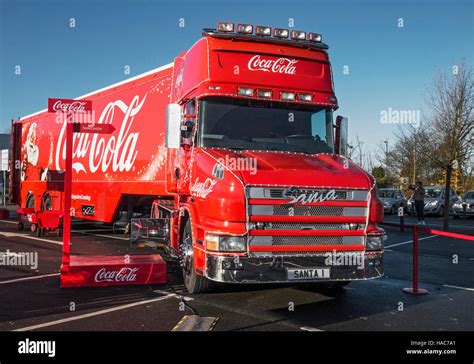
(244, 91)
(225, 27)
(281, 33)
(287, 96)
(244, 28)
(298, 35)
(265, 94)
(263, 31)
(314, 37)
(305, 97)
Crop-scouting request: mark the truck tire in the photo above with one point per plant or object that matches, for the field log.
(30, 201)
(194, 283)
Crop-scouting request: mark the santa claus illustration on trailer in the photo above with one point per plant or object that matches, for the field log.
(29, 168)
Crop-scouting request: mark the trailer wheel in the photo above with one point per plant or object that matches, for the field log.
(193, 282)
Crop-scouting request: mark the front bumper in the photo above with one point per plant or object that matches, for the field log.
(274, 269)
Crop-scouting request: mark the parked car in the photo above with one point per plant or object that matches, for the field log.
(468, 201)
(434, 201)
(392, 199)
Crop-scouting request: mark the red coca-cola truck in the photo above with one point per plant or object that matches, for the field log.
(236, 146)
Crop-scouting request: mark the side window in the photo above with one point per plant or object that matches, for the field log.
(190, 107)
(189, 122)
(318, 126)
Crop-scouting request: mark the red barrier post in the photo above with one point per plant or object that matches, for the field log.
(415, 290)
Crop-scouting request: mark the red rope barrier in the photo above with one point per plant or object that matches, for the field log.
(446, 233)
(415, 290)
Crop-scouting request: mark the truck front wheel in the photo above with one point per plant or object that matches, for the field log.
(194, 283)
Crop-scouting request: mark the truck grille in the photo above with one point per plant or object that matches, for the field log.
(309, 210)
(313, 224)
(303, 226)
(308, 240)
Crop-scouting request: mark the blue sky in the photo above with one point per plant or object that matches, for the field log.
(389, 66)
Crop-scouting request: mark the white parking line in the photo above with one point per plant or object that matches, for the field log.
(92, 314)
(309, 328)
(10, 222)
(27, 236)
(410, 241)
(178, 296)
(29, 278)
(463, 288)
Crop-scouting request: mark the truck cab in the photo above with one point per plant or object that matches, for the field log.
(257, 168)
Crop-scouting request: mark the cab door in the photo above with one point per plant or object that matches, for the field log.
(178, 171)
(184, 157)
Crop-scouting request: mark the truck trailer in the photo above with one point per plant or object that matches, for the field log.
(234, 145)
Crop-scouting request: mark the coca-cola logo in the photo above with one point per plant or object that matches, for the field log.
(122, 275)
(69, 106)
(280, 65)
(117, 152)
(202, 189)
(77, 106)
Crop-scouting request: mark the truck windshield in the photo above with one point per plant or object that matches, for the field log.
(257, 125)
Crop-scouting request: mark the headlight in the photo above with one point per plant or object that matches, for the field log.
(386, 203)
(226, 243)
(433, 203)
(374, 242)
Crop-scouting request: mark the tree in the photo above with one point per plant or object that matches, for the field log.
(452, 100)
(409, 158)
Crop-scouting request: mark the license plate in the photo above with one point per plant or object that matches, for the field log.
(308, 273)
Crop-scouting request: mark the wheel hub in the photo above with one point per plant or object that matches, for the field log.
(187, 253)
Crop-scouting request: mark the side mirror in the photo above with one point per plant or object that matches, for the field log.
(340, 140)
(187, 126)
(173, 123)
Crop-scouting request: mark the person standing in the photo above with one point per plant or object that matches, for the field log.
(419, 198)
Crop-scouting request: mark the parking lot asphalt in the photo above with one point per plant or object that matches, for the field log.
(32, 299)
